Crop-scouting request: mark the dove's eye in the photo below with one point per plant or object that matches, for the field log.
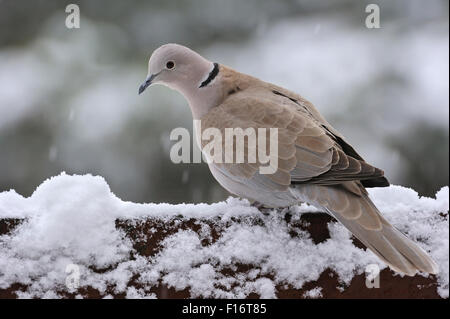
(170, 65)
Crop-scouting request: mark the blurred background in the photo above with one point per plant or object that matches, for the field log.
(68, 97)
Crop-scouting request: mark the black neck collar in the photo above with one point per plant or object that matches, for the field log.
(211, 75)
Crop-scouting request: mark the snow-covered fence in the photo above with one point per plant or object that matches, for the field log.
(74, 238)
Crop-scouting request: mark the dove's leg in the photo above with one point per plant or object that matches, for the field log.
(262, 208)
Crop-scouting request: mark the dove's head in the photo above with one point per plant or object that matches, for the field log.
(176, 66)
(184, 70)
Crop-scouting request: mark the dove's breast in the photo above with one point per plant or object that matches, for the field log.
(256, 188)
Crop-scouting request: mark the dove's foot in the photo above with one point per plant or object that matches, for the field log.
(263, 209)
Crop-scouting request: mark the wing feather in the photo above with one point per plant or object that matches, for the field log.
(308, 152)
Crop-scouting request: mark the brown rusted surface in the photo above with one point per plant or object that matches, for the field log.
(391, 287)
(147, 235)
(315, 224)
(7, 225)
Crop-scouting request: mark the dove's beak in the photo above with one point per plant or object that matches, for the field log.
(147, 83)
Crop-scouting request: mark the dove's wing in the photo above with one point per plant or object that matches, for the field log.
(307, 151)
(306, 106)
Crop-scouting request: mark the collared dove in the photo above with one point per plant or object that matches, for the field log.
(316, 164)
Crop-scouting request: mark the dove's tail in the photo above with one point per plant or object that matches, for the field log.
(363, 219)
(387, 242)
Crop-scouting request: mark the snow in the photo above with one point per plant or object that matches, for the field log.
(70, 219)
(313, 293)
